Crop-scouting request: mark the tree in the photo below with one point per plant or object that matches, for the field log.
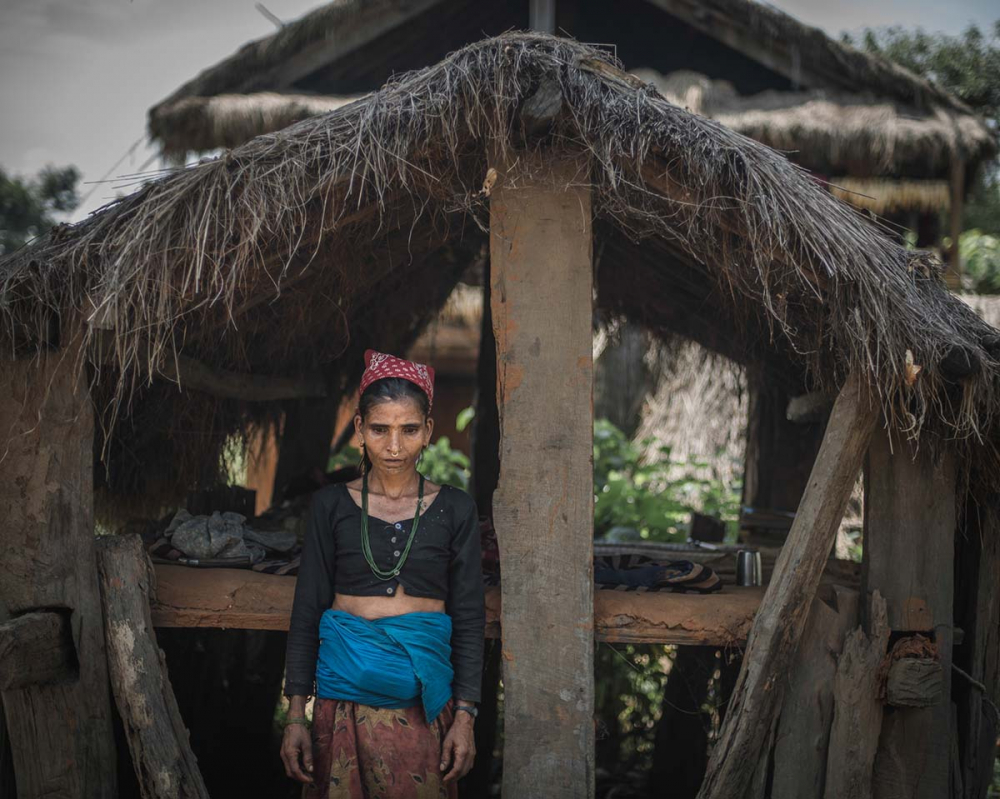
(967, 66)
(28, 207)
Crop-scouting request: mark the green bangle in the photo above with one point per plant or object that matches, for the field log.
(297, 720)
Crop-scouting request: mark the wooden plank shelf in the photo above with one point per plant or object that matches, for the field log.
(245, 599)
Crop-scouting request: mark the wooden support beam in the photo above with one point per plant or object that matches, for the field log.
(779, 624)
(541, 275)
(158, 740)
(60, 734)
(242, 599)
(36, 649)
(189, 373)
(909, 557)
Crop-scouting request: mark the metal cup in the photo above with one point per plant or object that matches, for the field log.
(748, 567)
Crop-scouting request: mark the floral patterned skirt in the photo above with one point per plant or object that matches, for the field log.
(362, 752)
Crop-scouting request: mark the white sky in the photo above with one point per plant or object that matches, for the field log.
(79, 75)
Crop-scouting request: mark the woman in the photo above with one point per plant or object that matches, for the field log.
(388, 616)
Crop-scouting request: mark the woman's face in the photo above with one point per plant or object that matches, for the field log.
(394, 433)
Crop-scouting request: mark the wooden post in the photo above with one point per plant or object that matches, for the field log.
(161, 755)
(953, 275)
(541, 282)
(978, 614)
(304, 444)
(909, 549)
(483, 483)
(60, 732)
(782, 616)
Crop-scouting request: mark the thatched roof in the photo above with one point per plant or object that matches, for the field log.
(324, 44)
(292, 253)
(850, 138)
(836, 133)
(200, 124)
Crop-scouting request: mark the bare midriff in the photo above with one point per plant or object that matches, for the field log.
(379, 607)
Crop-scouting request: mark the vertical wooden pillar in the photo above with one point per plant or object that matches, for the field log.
(909, 548)
(953, 274)
(60, 733)
(977, 613)
(541, 283)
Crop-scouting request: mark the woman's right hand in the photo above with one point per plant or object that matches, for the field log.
(296, 753)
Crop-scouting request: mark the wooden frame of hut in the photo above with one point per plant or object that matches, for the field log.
(162, 326)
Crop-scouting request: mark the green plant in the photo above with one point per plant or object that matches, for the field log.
(980, 254)
(651, 500)
(628, 700)
(347, 456)
(444, 465)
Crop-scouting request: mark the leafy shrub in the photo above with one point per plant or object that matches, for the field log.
(980, 254)
(652, 501)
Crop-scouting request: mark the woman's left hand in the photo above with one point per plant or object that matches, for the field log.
(459, 747)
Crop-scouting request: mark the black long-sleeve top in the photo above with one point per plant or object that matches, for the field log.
(444, 563)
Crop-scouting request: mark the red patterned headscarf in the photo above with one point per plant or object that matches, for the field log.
(379, 365)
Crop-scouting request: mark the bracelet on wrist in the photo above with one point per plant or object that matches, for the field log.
(297, 720)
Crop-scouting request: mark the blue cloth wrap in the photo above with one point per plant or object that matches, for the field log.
(396, 661)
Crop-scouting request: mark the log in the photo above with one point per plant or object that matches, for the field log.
(158, 740)
(800, 750)
(857, 709)
(61, 734)
(910, 520)
(36, 649)
(191, 374)
(782, 617)
(541, 276)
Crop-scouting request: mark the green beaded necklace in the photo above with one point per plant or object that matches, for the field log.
(365, 542)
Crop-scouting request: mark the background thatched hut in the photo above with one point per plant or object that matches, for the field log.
(149, 335)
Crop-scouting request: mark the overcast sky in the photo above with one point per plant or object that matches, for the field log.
(79, 75)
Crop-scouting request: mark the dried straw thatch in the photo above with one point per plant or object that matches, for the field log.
(834, 132)
(293, 252)
(882, 195)
(200, 124)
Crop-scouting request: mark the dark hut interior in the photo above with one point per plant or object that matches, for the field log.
(143, 341)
